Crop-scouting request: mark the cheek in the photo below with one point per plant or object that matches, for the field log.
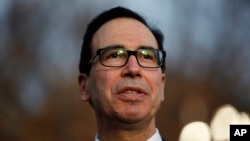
(101, 85)
(157, 85)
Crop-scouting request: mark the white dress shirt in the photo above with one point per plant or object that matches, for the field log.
(155, 137)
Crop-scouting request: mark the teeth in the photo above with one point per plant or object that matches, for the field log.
(131, 92)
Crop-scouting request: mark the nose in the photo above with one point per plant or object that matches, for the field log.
(132, 68)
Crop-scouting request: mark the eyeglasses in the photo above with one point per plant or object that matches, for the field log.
(117, 56)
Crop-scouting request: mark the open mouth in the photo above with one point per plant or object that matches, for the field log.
(132, 94)
(132, 91)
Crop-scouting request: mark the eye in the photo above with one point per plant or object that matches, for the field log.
(147, 54)
(114, 54)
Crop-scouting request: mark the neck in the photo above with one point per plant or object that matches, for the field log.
(119, 131)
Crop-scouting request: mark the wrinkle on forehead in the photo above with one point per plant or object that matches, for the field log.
(123, 31)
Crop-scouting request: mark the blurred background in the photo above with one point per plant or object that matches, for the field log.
(208, 64)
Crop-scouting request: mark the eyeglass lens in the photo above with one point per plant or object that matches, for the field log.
(118, 57)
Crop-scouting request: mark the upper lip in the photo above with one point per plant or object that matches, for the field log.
(132, 88)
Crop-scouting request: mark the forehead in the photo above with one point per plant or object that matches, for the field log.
(127, 32)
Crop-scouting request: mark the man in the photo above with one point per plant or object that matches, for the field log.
(122, 75)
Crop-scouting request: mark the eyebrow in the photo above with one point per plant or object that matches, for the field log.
(121, 46)
(113, 46)
(147, 47)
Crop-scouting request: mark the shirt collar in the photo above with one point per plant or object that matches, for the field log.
(155, 137)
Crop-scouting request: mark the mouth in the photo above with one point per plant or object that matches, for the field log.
(132, 94)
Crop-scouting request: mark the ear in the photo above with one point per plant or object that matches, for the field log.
(163, 86)
(82, 82)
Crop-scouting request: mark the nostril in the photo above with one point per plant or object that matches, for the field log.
(132, 75)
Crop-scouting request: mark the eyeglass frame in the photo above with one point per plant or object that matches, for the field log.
(129, 53)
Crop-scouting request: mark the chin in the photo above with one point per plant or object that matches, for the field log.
(132, 117)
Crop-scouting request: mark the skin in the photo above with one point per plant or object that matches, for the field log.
(122, 116)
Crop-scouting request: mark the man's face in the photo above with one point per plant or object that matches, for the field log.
(130, 93)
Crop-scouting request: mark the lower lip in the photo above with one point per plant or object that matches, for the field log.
(132, 97)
